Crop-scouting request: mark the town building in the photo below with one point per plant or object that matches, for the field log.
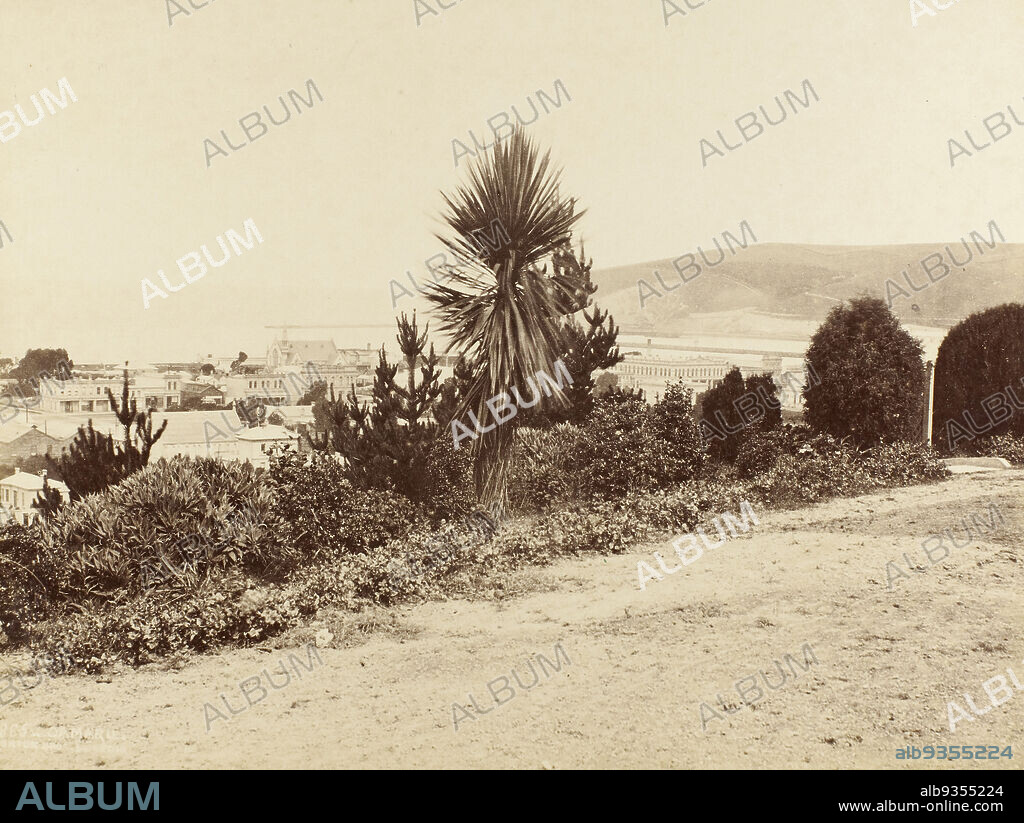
(19, 441)
(651, 372)
(255, 445)
(271, 387)
(87, 394)
(200, 394)
(19, 491)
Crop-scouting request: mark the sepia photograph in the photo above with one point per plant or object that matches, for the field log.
(574, 385)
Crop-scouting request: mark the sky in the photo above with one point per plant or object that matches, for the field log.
(346, 195)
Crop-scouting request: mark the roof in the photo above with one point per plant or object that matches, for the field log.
(269, 432)
(31, 482)
(200, 388)
(309, 351)
(190, 427)
(294, 414)
(14, 429)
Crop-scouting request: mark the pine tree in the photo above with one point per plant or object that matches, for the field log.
(387, 443)
(95, 462)
(584, 352)
(127, 412)
(454, 393)
(49, 500)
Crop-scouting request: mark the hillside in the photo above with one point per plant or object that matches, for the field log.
(641, 662)
(805, 281)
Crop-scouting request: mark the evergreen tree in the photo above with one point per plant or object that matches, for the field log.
(584, 351)
(95, 462)
(388, 444)
(455, 392)
(871, 378)
(979, 379)
(734, 409)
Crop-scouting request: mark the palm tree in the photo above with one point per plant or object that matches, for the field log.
(498, 307)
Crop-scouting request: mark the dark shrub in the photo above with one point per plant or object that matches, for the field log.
(673, 422)
(870, 377)
(28, 580)
(759, 451)
(619, 450)
(719, 417)
(323, 515)
(734, 409)
(981, 357)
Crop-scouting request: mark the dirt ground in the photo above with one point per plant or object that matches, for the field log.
(641, 663)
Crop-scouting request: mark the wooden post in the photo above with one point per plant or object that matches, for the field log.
(929, 399)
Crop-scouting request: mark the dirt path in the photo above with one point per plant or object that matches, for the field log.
(642, 662)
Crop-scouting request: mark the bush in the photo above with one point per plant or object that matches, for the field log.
(674, 424)
(823, 468)
(323, 515)
(448, 490)
(27, 581)
(619, 450)
(540, 470)
(1007, 446)
(226, 611)
(981, 357)
(191, 518)
(870, 378)
(759, 451)
(904, 464)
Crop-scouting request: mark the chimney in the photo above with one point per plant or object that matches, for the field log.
(17, 470)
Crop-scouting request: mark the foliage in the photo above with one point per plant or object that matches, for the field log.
(759, 452)
(323, 515)
(541, 473)
(454, 393)
(871, 379)
(316, 392)
(583, 351)
(673, 423)
(179, 521)
(606, 382)
(903, 464)
(1008, 446)
(27, 578)
(94, 462)
(734, 408)
(388, 445)
(41, 364)
(981, 357)
(144, 629)
(620, 450)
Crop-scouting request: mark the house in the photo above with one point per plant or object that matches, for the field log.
(268, 386)
(19, 491)
(298, 353)
(201, 394)
(197, 434)
(21, 440)
(256, 444)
